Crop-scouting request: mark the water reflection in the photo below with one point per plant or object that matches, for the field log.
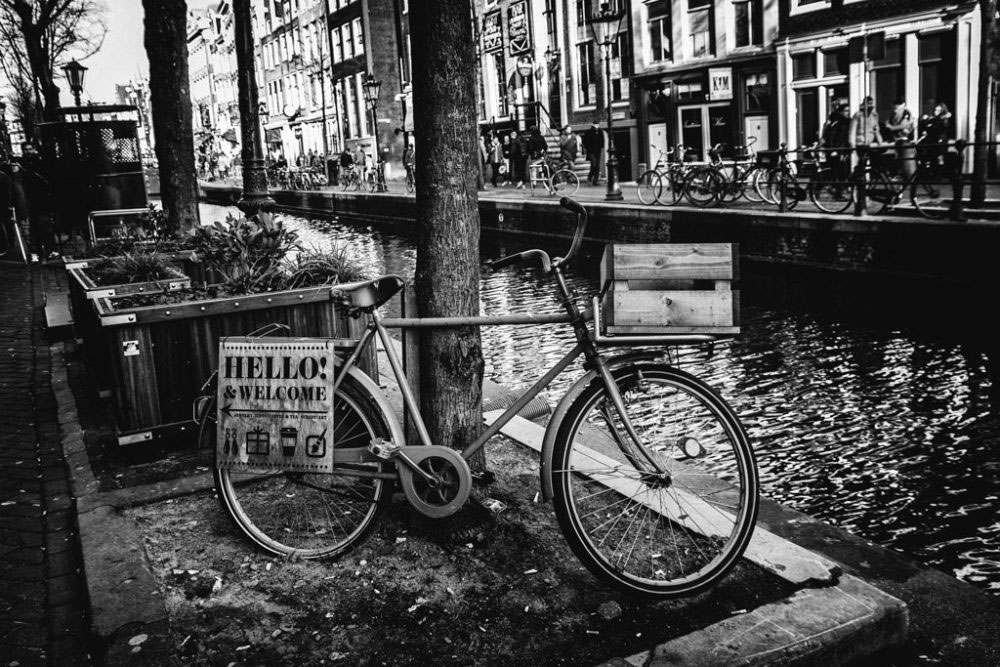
(866, 410)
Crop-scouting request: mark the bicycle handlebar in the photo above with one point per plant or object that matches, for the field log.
(547, 264)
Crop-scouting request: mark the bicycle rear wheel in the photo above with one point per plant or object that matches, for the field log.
(310, 515)
(749, 186)
(650, 187)
(829, 194)
(659, 536)
(703, 186)
(565, 182)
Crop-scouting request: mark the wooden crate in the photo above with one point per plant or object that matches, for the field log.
(670, 288)
(159, 356)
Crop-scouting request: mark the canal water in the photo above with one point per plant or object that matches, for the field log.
(872, 406)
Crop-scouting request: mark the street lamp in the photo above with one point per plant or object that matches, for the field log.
(75, 72)
(371, 87)
(605, 27)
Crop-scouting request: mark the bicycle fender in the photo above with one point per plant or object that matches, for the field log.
(615, 365)
(377, 395)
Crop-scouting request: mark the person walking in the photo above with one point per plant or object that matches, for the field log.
(496, 158)
(481, 175)
(900, 127)
(834, 139)
(567, 147)
(518, 159)
(593, 144)
(506, 148)
(361, 160)
(864, 127)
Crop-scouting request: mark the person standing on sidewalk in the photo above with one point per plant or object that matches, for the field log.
(834, 139)
(518, 159)
(496, 158)
(567, 147)
(481, 176)
(901, 125)
(593, 144)
(864, 130)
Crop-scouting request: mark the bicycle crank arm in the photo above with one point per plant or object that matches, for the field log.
(435, 479)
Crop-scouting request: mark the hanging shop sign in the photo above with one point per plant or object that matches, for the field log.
(518, 29)
(492, 32)
(720, 83)
(275, 404)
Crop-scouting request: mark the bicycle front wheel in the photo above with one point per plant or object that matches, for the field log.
(650, 186)
(830, 194)
(660, 535)
(310, 515)
(703, 186)
(931, 195)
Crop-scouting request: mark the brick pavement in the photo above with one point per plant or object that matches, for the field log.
(43, 594)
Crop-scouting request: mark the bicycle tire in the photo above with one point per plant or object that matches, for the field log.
(565, 182)
(274, 509)
(409, 182)
(650, 187)
(828, 194)
(881, 195)
(776, 179)
(749, 186)
(928, 196)
(596, 485)
(703, 186)
(673, 186)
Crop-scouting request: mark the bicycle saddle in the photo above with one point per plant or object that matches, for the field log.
(368, 293)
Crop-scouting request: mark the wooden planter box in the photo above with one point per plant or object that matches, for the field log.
(670, 288)
(159, 356)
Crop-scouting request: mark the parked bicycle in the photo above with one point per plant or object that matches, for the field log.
(651, 474)
(350, 178)
(410, 183)
(722, 181)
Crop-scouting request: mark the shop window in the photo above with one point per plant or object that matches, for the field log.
(749, 22)
(758, 93)
(936, 63)
(586, 81)
(659, 30)
(803, 66)
(887, 77)
(503, 108)
(620, 70)
(701, 27)
(835, 62)
(689, 90)
(807, 115)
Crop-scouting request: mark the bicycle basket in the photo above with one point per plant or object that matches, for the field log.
(769, 159)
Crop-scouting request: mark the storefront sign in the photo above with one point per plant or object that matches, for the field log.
(492, 32)
(720, 83)
(275, 405)
(518, 31)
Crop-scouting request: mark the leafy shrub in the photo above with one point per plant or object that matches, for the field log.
(316, 267)
(132, 267)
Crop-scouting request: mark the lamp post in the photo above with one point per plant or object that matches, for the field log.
(255, 195)
(371, 87)
(605, 27)
(75, 72)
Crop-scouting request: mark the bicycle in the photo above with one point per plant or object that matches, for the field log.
(650, 182)
(558, 181)
(651, 474)
(929, 190)
(718, 182)
(669, 178)
(350, 178)
(410, 184)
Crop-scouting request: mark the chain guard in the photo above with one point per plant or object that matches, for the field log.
(454, 485)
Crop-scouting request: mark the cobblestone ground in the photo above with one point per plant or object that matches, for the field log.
(43, 598)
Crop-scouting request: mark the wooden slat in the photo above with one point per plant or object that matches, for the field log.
(670, 309)
(669, 261)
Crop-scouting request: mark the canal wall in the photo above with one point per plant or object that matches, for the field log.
(961, 252)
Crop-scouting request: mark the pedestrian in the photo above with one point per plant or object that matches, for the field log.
(361, 162)
(518, 159)
(593, 144)
(496, 158)
(834, 139)
(507, 147)
(481, 172)
(35, 203)
(864, 128)
(935, 131)
(900, 127)
(333, 168)
(315, 161)
(567, 147)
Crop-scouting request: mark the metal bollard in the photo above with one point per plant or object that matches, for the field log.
(957, 184)
(862, 175)
(783, 174)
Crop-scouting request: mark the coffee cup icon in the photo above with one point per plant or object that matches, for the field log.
(289, 439)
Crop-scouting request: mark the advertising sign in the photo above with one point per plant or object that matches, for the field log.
(518, 30)
(492, 32)
(275, 404)
(720, 83)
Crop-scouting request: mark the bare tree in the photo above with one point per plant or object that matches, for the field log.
(39, 36)
(170, 98)
(447, 275)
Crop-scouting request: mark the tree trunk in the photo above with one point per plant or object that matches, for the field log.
(980, 154)
(447, 275)
(170, 98)
(38, 60)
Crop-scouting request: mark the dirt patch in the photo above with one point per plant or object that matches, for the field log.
(461, 591)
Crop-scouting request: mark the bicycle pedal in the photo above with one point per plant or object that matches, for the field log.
(383, 449)
(496, 507)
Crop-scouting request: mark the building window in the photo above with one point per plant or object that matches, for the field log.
(620, 70)
(807, 115)
(659, 30)
(749, 22)
(835, 62)
(936, 62)
(689, 90)
(359, 38)
(803, 66)
(585, 75)
(500, 76)
(338, 53)
(887, 77)
(701, 27)
(347, 40)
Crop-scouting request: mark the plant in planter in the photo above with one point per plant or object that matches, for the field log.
(163, 346)
(133, 267)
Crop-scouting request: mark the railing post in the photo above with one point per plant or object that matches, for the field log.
(862, 175)
(957, 182)
(784, 173)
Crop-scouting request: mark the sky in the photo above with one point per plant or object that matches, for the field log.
(122, 57)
